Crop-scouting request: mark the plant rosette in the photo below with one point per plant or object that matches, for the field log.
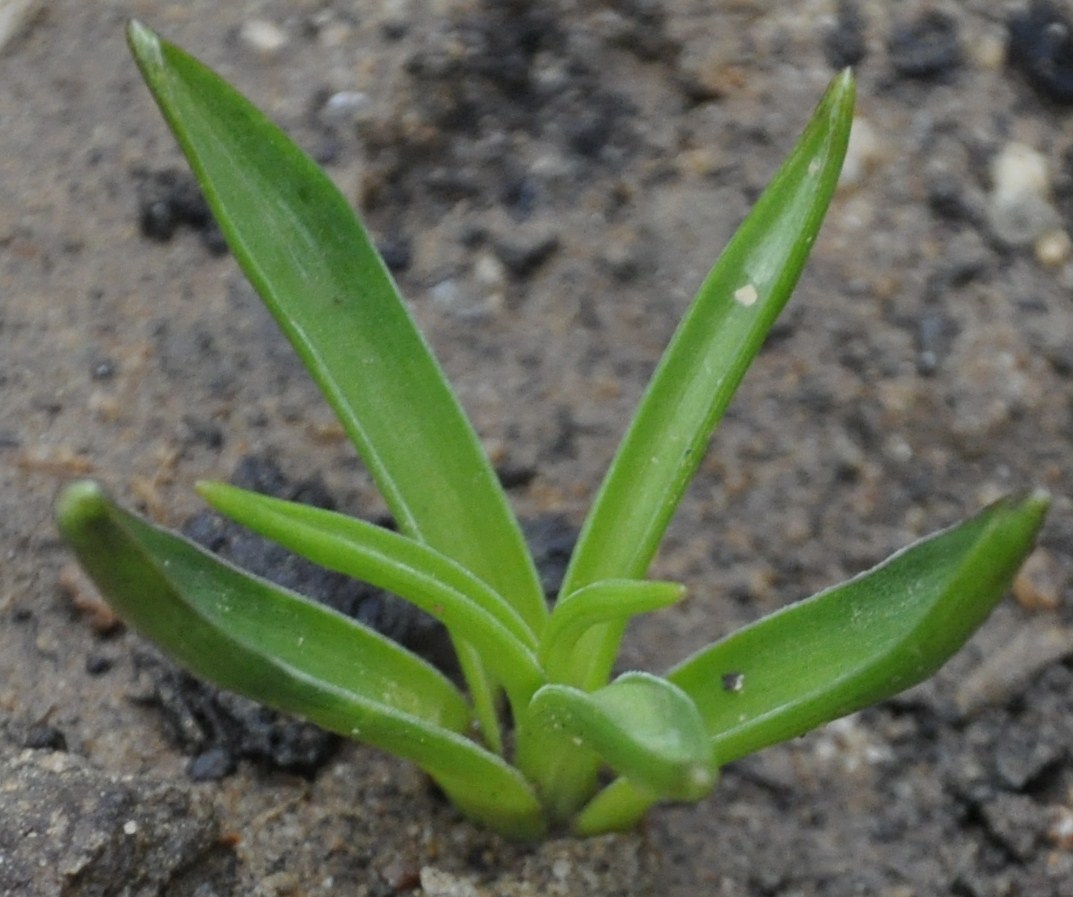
(587, 751)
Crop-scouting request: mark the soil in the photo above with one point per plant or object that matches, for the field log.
(550, 181)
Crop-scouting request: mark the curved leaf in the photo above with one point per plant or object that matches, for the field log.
(471, 610)
(642, 726)
(843, 649)
(602, 602)
(254, 638)
(862, 641)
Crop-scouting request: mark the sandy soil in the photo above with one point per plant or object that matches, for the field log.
(551, 181)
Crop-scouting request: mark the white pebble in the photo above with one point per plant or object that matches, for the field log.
(263, 37)
(439, 883)
(1019, 208)
(346, 104)
(1053, 248)
(862, 154)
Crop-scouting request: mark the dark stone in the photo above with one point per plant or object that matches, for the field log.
(935, 334)
(43, 737)
(102, 369)
(515, 477)
(397, 253)
(212, 765)
(170, 199)
(99, 664)
(199, 431)
(587, 134)
(925, 48)
(157, 221)
(844, 43)
(520, 196)
(1041, 48)
(218, 728)
(551, 539)
(523, 255)
(395, 29)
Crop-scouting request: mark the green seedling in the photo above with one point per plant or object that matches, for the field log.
(586, 751)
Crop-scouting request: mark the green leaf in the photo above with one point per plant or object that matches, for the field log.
(602, 602)
(316, 269)
(862, 641)
(618, 808)
(641, 726)
(845, 648)
(249, 636)
(702, 367)
(471, 610)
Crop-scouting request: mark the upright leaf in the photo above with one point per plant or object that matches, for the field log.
(310, 259)
(702, 367)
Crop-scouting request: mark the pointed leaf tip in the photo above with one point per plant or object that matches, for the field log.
(144, 43)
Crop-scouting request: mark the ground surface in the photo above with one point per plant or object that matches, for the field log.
(550, 181)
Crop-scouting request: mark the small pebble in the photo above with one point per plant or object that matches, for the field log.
(1019, 208)
(97, 664)
(1060, 831)
(397, 251)
(491, 278)
(1041, 48)
(438, 883)
(345, 105)
(844, 43)
(853, 746)
(862, 154)
(262, 37)
(212, 765)
(989, 52)
(927, 47)
(1040, 582)
(526, 250)
(43, 737)
(1053, 248)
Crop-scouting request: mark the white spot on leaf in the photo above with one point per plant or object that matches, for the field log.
(746, 295)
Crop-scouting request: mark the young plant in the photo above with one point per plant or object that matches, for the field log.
(459, 553)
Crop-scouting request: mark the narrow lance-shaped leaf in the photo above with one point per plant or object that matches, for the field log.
(310, 259)
(845, 648)
(642, 726)
(254, 638)
(469, 608)
(702, 367)
(862, 641)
